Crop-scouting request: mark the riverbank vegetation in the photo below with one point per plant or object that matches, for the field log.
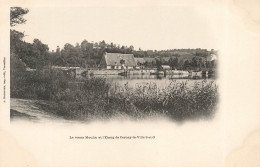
(95, 98)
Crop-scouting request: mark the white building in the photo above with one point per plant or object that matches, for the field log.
(118, 61)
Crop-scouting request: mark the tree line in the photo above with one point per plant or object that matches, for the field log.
(36, 55)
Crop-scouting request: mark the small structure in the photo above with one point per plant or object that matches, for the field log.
(166, 67)
(72, 71)
(118, 61)
(64, 68)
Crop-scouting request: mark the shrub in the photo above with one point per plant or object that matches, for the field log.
(38, 84)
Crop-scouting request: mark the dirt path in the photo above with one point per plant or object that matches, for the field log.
(28, 109)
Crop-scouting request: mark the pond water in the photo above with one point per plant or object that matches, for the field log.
(134, 81)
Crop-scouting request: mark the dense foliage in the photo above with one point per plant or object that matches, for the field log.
(176, 101)
(94, 97)
(16, 15)
(89, 54)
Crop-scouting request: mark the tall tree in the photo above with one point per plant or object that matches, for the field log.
(173, 62)
(16, 15)
(186, 64)
(158, 63)
(194, 62)
(16, 43)
(17, 66)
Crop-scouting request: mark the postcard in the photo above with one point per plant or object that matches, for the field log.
(130, 83)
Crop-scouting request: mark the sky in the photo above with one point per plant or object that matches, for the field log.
(146, 27)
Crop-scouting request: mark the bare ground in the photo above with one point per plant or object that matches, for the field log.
(29, 110)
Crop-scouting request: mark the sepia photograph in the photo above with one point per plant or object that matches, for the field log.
(153, 83)
(103, 70)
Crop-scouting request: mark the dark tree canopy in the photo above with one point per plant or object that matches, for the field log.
(16, 15)
(34, 55)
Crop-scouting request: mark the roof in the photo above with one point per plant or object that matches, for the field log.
(140, 60)
(115, 58)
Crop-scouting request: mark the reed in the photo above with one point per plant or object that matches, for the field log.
(95, 98)
(176, 101)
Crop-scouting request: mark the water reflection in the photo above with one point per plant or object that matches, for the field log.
(119, 77)
(160, 80)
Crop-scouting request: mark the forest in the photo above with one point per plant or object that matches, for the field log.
(88, 54)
